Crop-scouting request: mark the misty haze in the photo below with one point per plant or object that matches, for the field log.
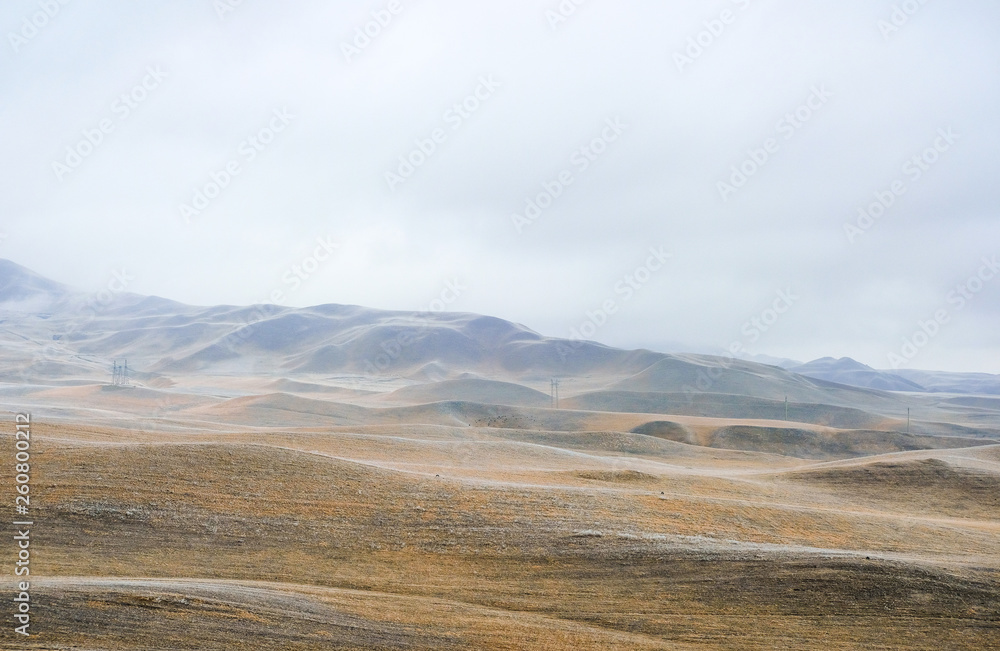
(536, 325)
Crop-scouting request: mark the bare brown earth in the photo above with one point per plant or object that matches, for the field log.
(457, 536)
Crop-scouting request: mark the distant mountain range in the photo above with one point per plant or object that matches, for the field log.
(53, 334)
(848, 371)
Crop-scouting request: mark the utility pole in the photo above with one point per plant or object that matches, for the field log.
(907, 420)
(786, 407)
(554, 387)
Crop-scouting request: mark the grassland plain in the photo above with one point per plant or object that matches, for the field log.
(434, 537)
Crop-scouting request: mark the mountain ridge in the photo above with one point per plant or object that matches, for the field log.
(63, 331)
(852, 372)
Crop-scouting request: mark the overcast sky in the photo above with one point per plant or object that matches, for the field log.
(627, 123)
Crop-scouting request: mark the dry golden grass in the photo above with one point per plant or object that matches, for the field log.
(483, 539)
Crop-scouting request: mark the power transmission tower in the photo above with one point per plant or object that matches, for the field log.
(554, 386)
(119, 374)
